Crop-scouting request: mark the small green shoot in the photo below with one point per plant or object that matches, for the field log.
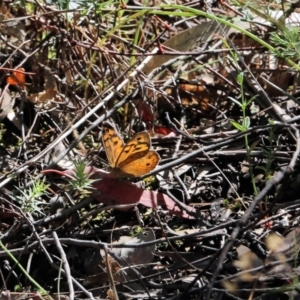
(29, 198)
(136, 230)
(82, 182)
(243, 104)
(17, 288)
(287, 43)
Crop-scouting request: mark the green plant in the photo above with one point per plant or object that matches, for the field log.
(29, 198)
(269, 153)
(287, 42)
(2, 131)
(17, 288)
(243, 104)
(233, 205)
(136, 230)
(62, 4)
(82, 182)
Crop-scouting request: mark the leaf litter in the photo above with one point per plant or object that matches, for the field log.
(217, 218)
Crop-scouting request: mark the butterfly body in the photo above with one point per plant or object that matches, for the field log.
(131, 159)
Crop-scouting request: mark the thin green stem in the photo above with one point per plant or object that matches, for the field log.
(191, 12)
(248, 149)
(41, 289)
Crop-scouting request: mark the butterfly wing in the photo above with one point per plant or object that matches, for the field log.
(134, 149)
(132, 159)
(113, 144)
(138, 166)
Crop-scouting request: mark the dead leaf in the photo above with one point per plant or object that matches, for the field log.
(183, 42)
(48, 95)
(247, 260)
(6, 103)
(17, 78)
(193, 94)
(114, 192)
(111, 191)
(136, 256)
(13, 27)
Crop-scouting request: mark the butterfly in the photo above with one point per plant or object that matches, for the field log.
(131, 159)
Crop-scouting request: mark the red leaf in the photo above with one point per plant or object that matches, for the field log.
(162, 130)
(111, 191)
(145, 111)
(116, 192)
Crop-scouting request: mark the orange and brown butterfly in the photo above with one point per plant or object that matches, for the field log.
(17, 77)
(135, 158)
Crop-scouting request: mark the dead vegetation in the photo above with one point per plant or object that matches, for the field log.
(208, 209)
